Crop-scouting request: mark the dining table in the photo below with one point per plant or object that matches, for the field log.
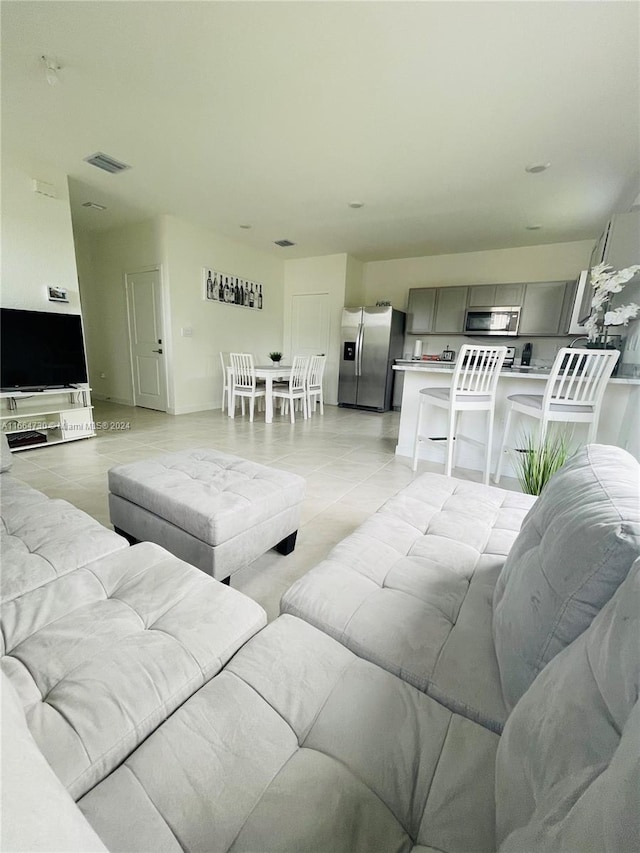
(268, 372)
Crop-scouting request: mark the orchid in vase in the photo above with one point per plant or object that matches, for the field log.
(606, 282)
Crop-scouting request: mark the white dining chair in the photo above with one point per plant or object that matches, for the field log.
(573, 394)
(295, 387)
(244, 384)
(226, 364)
(315, 375)
(473, 389)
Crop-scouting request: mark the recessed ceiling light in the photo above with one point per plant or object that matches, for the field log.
(246, 227)
(356, 204)
(93, 205)
(533, 227)
(536, 168)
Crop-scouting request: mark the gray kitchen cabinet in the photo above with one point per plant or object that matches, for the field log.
(421, 310)
(450, 308)
(496, 295)
(546, 308)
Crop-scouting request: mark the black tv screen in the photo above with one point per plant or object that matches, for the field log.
(40, 349)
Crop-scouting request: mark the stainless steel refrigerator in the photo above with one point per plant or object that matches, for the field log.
(372, 338)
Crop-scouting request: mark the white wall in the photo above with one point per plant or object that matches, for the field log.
(195, 363)
(354, 289)
(37, 238)
(103, 259)
(392, 280)
(326, 274)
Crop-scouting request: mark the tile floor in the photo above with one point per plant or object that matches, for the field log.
(346, 456)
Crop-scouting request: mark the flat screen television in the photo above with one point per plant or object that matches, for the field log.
(40, 350)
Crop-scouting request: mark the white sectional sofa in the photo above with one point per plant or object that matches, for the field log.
(441, 682)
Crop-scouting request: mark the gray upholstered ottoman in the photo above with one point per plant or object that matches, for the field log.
(213, 510)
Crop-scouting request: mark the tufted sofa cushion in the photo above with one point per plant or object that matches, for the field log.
(42, 539)
(300, 745)
(212, 495)
(412, 588)
(101, 656)
(568, 768)
(38, 814)
(575, 548)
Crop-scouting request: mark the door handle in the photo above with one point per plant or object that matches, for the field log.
(359, 350)
(157, 350)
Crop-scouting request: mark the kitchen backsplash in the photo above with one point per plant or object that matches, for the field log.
(544, 349)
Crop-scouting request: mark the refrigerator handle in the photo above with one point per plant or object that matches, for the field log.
(359, 349)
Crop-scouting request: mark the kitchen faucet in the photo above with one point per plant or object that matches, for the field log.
(581, 338)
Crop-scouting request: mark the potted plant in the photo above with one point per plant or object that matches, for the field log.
(536, 461)
(276, 357)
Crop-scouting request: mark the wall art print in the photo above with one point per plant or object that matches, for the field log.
(231, 289)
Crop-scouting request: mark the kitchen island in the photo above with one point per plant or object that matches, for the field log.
(619, 419)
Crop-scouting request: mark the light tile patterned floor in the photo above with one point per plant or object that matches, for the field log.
(346, 456)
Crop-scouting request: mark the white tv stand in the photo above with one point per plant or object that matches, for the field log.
(58, 414)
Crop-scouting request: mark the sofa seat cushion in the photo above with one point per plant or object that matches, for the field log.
(575, 548)
(211, 495)
(42, 539)
(568, 769)
(38, 814)
(412, 588)
(300, 745)
(101, 656)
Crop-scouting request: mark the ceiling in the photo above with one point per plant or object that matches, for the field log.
(277, 115)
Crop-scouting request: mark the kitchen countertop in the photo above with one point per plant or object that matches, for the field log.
(520, 372)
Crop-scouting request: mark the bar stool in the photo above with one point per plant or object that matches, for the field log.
(573, 394)
(473, 389)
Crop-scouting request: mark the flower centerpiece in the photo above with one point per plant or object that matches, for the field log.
(276, 357)
(606, 282)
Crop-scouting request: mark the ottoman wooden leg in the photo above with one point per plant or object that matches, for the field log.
(130, 539)
(226, 580)
(286, 545)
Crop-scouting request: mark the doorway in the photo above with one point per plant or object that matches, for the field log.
(146, 339)
(310, 324)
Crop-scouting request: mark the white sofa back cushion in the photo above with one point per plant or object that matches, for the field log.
(5, 454)
(567, 770)
(575, 548)
(37, 812)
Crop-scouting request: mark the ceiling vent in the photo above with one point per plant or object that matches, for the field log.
(284, 243)
(106, 163)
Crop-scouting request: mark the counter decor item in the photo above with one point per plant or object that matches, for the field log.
(417, 349)
(276, 357)
(606, 282)
(536, 461)
(448, 354)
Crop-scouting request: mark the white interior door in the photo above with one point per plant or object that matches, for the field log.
(146, 339)
(309, 324)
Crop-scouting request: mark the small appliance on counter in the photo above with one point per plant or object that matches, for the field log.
(509, 357)
(417, 349)
(526, 355)
(448, 354)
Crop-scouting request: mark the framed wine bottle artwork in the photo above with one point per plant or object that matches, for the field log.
(232, 289)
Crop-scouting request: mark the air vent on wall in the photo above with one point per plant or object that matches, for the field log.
(94, 205)
(283, 243)
(108, 164)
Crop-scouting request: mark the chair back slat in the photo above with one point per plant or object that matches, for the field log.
(579, 377)
(316, 372)
(244, 373)
(477, 370)
(298, 375)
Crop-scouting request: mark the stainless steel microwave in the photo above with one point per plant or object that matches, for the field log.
(492, 321)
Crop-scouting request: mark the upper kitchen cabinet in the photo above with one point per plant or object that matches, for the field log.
(496, 295)
(450, 307)
(421, 310)
(619, 243)
(546, 308)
